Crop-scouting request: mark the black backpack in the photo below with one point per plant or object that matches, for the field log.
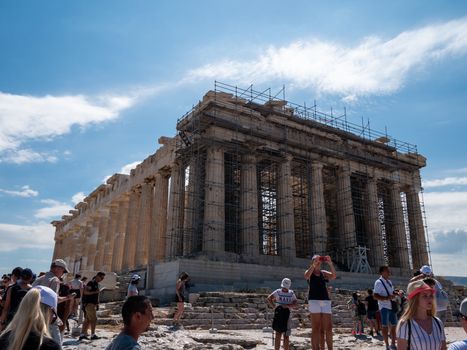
(281, 317)
(361, 309)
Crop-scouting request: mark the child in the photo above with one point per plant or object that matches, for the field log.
(359, 314)
(282, 300)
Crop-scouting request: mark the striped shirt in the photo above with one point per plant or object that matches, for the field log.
(420, 339)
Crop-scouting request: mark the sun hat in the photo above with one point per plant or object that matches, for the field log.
(418, 287)
(60, 263)
(286, 283)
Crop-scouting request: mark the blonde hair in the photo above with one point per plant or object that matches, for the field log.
(32, 316)
(412, 304)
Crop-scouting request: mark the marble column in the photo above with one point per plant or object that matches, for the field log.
(417, 231)
(285, 211)
(319, 236)
(102, 232)
(399, 256)
(92, 249)
(191, 194)
(373, 226)
(131, 229)
(174, 241)
(57, 248)
(249, 207)
(117, 257)
(345, 213)
(110, 237)
(214, 206)
(144, 224)
(157, 239)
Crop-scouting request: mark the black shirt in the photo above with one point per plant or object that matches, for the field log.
(317, 287)
(372, 303)
(31, 343)
(91, 286)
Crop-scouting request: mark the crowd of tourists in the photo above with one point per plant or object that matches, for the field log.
(35, 310)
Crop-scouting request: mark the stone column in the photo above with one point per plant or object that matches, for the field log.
(57, 248)
(373, 226)
(417, 231)
(319, 236)
(131, 229)
(214, 206)
(285, 211)
(157, 239)
(174, 241)
(249, 207)
(191, 194)
(110, 237)
(92, 250)
(399, 250)
(86, 238)
(144, 224)
(102, 233)
(345, 213)
(117, 257)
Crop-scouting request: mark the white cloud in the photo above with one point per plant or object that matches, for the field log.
(446, 211)
(374, 66)
(26, 118)
(78, 197)
(445, 182)
(25, 192)
(37, 236)
(52, 209)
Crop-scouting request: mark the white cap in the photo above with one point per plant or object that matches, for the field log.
(426, 270)
(48, 297)
(135, 277)
(286, 283)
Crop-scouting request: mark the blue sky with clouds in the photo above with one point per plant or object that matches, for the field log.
(86, 89)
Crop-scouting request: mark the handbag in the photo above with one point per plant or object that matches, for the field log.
(394, 305)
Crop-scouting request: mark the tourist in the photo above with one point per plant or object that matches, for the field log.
(371, 309)
(64, 308)
(319, 303)
(133, 286)
(90, 302)
(418, 328)
(137, 316)
(383, 291)
(29, 327)
(76, 287)
(442, 298)
(51, 279)
(359, 312)
(282, 300)
(180, 297)
(462, 344)
(14, 296)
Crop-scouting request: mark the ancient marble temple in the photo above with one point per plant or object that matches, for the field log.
(249, 187)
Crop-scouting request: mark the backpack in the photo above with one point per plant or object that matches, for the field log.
(361, 309)
(281, 318)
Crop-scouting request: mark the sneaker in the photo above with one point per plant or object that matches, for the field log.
(95, 337)
(83, 337)
(353, 332)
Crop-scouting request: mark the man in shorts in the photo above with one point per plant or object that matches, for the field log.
(90, 302)
(384, 293)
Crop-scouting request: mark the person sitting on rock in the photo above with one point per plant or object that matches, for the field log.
(137, 316)
(282, 299)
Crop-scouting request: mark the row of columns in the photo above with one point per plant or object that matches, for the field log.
(143, 226)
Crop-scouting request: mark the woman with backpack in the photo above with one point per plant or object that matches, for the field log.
(418, 328)
(282, 300)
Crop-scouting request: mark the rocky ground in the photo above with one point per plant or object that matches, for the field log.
(164, 337)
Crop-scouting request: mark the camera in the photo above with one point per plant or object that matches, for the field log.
(322, 258)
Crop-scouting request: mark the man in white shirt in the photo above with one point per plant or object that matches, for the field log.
(383, 291)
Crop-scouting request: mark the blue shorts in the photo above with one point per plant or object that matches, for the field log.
(388, 317)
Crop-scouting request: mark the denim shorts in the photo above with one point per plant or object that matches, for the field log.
(388, 317)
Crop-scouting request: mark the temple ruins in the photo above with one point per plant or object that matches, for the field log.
(249, 189)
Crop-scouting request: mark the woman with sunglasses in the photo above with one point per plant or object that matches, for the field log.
(418, 328)
(29, 328)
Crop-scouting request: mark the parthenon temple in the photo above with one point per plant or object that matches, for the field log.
(252, 185)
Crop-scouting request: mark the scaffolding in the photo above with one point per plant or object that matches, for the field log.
(349, 222)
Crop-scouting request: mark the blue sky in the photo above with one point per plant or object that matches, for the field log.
(87, 88)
